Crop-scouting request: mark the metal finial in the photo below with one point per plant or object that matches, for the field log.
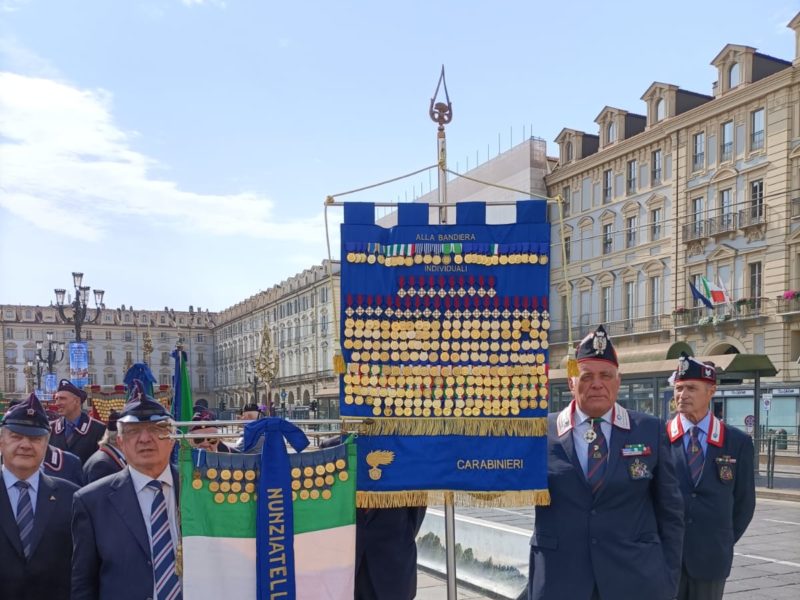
(441, 112)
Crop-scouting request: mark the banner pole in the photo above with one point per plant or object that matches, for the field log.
(442, 113)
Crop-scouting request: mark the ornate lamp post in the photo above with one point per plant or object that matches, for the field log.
(80, 305)
(252, 377)
(55, 352)
(34, 374)
(265, 366)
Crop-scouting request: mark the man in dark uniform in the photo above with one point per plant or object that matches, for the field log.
(715, 471)
(386, 549)
(74, 431)
(614, 527)
(125, 526)
(108, 459)
(58, 463)
(35, 509)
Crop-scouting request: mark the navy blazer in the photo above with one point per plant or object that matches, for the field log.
(626, 540)
(84, 442)
(46, 576)
(721, 506)
(111, 557)
(102, 463)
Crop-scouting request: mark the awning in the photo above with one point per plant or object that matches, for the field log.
(745, 366)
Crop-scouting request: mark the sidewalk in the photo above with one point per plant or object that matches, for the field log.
(430, 587)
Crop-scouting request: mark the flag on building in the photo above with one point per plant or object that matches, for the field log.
(712, 291)
(284, 530)
(697, 295)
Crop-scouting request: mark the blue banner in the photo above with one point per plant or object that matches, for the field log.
(79, 363)
(50, 387)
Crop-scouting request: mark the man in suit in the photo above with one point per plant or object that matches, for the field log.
(614, 527)
(108, 459)
(74, 430)
(35, 509)
(125, 526)
(715, 471)
(58, 463)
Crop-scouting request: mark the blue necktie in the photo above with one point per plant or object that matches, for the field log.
(694, 455)
(598, 455)
(24, 516)
(168, 586)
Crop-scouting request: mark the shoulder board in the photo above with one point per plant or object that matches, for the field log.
(54, 458)
(716, 433)
(675, 428)
(620, 417)
(566, 419)
(58, 425)
(86, 420)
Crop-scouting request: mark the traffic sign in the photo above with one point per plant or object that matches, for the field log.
(766, 400)
(749, 423)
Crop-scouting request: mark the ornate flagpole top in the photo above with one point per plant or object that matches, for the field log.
(441, 112)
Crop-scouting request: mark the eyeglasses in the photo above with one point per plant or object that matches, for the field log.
(198, 441)
(137, 429)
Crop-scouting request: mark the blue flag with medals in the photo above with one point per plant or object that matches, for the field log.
(444, 332)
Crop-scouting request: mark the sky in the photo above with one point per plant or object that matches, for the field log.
(179, 152)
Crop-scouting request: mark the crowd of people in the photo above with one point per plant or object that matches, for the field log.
(638, 508)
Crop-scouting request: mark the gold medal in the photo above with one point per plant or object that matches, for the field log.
(211, 473)
(197, 484)
(219, 498)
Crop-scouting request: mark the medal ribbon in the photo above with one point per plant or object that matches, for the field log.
(275, 518)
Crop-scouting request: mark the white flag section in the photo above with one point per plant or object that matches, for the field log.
(218, 521)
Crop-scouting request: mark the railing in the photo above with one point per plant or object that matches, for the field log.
(755, 214)
(757, 140)
(616, 328)
(723, 223)
(726, 151)
(788, 305)
(743, 308)
(698, 161)
(695, 230)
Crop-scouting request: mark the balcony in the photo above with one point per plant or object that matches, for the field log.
(755, 214)
(695, 230)
(788, 305)
(632, 326)
(743, 308)
(726, 151)
(722, 224)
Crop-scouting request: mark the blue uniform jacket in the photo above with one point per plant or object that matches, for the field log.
(111, 557)
(64, 465)
(720, 508)
(46, 576)
(627, 539)
(84, 442)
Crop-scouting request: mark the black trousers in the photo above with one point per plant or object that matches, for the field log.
(700, 589)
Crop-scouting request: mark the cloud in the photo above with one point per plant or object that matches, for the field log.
(219, 3)
(68, 167)
(12, 5)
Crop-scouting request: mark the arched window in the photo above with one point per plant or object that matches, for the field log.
(568, 151)
(734, 75)
(611, 132)
(661, 110)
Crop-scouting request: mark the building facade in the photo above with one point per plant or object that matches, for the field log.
(302, 320)
(115, 342)
(698, 186)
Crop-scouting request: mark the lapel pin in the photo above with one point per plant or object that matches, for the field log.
(52, 498)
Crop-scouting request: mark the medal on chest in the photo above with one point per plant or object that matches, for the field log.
(589, 435)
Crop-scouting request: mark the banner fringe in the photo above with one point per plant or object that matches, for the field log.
(535, 427)
(517, 498)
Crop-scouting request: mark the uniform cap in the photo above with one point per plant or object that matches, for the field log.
(27, 418)
(65, 385)
(597, 346)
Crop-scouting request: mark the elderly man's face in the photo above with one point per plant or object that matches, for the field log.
(22, 454)
(595, 388)
(67, 404)
(209, 443)
(145, 445)
(693, 398)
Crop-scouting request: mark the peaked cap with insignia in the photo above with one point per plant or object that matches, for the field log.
(597, 346)
(689, 368)
(65, 385)
(27, 418)
(142, 408)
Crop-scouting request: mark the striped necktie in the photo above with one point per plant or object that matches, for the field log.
(24, 516)
(598, 457)
(694, 455)
(168, 586)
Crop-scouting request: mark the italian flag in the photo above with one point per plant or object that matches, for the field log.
(713, 292)
(218, 520)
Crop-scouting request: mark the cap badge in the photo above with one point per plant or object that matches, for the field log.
(31, 412)
(683, 366)
(599, 343)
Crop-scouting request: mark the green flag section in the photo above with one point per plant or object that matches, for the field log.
(218, 522)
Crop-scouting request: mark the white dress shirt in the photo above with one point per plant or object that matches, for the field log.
(9, 479)
(146, 495)
(582, 425)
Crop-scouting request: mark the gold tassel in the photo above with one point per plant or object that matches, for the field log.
(535, 427)
(572, 365)
(338, 363)
(516, 498)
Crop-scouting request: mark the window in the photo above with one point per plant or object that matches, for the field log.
(698, 151)
(9, 334)
(605, 304)
(201, 379)
(630, 232)
(630, 300)
(608, 238)
(697, 216)
(655, 167)
(163, 320)
(92, 379)
(568, 151)
(90, 357)
(323, 324)
(11, 382)
(11, 356)
(564, 308)
(611, 132)
(757, 129)
(726, 220)
(655, 224)
(734, 76)
(163, 336)
(108, 379)
(109, 357)
(88, 333)
(567, 248)
(726, 141)
(655, 296)
(108, 335)
(28, 334)
(200, 338)
(128, 336)
(755, 280)
(756, 201)
(631, 177)
(323, 294)
(566, 194)
(165, 358)
(128, 358)
(608, 177)
(661, 110)
(127, 317)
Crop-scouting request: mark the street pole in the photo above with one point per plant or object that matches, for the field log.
(442, 113)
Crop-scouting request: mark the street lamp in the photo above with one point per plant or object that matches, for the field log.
(80, 305)
(38, 376)
(252, 377)
(55, 352)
